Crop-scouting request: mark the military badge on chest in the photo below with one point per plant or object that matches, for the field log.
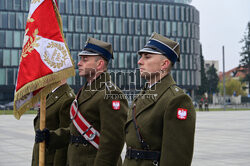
(182, 113)
(116, 105)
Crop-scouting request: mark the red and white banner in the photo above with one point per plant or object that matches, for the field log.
(45, 58)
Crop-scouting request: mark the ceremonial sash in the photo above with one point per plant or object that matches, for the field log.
(83, 126)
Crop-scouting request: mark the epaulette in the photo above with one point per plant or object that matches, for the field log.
(110, 86)
(176, 90)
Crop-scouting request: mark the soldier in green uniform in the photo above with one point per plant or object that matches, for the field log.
(57, 116)
(161, 123)
(103, 105)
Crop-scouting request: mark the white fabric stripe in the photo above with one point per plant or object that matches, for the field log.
(85, 136)
(34, 6)
(52, 53)
(87, 124)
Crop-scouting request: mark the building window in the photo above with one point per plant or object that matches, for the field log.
(129, 43)
(14, 57)
(177, 13)
(116, 9)
(148, 11)
(76, 41)
(136, 43)
(122, 9)
(105, 25)
(17, 4)
(118, 26)
(69, 39)
(154, 11)
(83, 7)
(19, 21)
(168, 28)
(162, 28)
(2, 4)
(165, 12)
(92, 27)
(83, 41)
(142, 12)
(61, 4)
(172, 11)
(97, 7)
(156, 26)
(75, 6)
(125, 26)
(78, 23)
(131, 27)
(116, 43)
(123, 43)
(71, 23)
(150, 29)
(121, 60)
(3, 76)
(174, 29)
(2, 38)
(10, 4)
(3, 19)
(89, 7)
(180, 29)
(12, 20)
(128, 57)
(111, 25)
(103, 8)
(142, 42)
(69, 6)
(6, 57)
(129, 9)
(99, 25)
(9, 39)
(159, 11)
(138, 27)
(110, 8)
(135, 10)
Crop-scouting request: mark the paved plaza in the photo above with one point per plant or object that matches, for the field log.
(222, 139)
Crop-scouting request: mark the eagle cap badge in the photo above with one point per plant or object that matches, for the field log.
(182, 113)
(116, 105)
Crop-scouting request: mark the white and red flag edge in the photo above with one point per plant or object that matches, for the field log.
(45, 58)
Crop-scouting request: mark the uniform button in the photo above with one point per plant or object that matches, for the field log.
(56, 97)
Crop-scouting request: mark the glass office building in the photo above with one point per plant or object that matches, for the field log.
(126, 24)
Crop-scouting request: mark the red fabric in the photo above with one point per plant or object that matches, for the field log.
(31, 66)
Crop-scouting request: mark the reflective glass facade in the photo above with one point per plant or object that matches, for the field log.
(125, 24)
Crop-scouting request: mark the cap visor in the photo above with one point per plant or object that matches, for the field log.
(85, 52)
(148, 50)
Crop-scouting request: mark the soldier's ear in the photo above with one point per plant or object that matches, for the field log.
(165, 64)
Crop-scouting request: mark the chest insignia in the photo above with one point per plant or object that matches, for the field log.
(116, 105)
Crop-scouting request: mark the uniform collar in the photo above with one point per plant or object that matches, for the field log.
(56, 94)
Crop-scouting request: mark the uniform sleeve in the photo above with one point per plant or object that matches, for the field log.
(178, 134)
(59, 138)
(112, 134)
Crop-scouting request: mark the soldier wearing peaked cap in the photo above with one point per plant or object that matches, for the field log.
(98, 114)
(161, 123)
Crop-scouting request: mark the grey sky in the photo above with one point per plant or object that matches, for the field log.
(222, 22)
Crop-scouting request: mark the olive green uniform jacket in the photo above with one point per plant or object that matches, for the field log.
(156, 116)
(57, 116)
(95, 104)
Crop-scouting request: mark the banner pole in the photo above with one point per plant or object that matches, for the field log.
(42, 126)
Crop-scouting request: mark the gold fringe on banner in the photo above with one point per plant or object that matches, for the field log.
(48, 83)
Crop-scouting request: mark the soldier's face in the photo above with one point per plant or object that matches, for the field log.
(150, 65)
(87, 66)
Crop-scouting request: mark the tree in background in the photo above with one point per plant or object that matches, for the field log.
(204, 83)
(245, 56)
(213, 80)
(233, 87)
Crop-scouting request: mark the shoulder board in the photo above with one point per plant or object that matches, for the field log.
(176, 90)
